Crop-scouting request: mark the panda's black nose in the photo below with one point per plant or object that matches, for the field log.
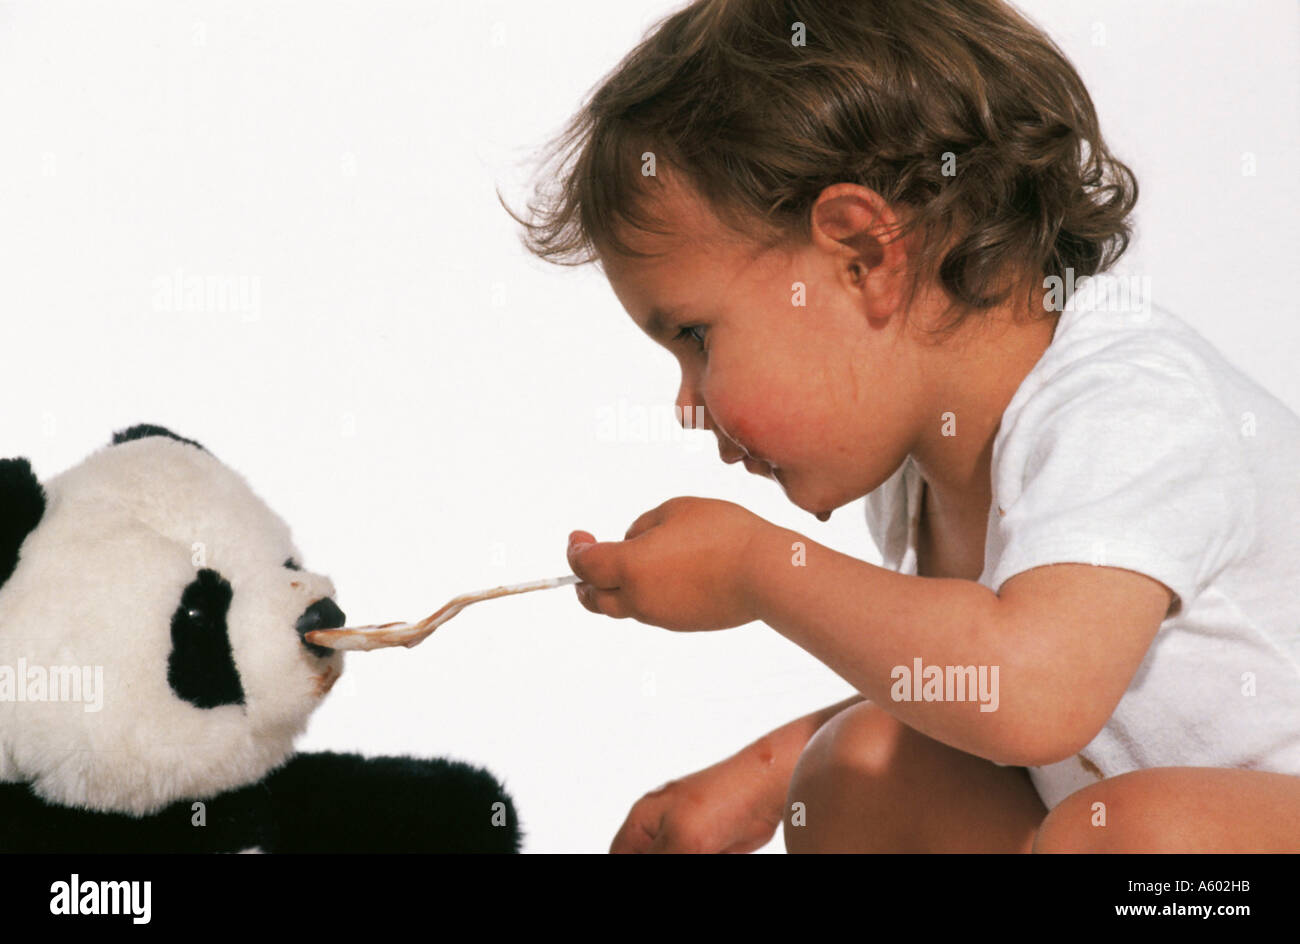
(323, 614)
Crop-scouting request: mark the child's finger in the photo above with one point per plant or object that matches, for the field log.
(596, 562)
(584, 596)
(605, 602)
(634, 836)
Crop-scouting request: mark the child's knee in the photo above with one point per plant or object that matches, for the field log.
(861, 739)
(848, 752)
(1127, 813)
(1067, 828)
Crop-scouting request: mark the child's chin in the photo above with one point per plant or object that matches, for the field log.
(820, 506)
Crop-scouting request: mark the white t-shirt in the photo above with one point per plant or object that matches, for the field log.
(1133, 443)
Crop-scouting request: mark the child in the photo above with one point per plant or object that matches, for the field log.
(862, 230)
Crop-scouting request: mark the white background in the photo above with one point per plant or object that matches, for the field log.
(420, 399)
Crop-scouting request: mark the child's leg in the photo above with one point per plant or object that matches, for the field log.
(1178, 809)
(866, 782)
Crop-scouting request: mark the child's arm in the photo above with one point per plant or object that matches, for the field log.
(781, 748)
(735, 805)
(1067, 640)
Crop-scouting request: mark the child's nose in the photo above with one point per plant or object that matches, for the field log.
(694, 417)
(691, 414)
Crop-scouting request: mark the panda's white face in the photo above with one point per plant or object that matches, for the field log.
(158, 564)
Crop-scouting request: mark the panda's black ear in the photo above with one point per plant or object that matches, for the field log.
(22, 505)
(145, 430)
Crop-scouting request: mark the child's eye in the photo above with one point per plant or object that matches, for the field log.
(688, 331)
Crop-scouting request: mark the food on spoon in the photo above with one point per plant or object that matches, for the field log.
(384, 635)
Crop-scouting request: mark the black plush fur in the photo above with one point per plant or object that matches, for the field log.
(315, 803)
(329, 802)
(144, 430)
(238, 820)
(201, 668)
(22, 505)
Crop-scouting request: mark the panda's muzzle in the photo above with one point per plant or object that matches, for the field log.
(323, 614)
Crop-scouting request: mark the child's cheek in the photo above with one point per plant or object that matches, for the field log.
(761, 422)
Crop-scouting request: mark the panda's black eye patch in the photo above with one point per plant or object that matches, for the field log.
(201, 667)
(292, 564)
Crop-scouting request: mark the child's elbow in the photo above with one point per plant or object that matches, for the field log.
(1038, 739)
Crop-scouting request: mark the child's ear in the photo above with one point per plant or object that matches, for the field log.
(22, 505)
(861, 230)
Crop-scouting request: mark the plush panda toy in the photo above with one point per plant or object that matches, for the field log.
(154, 675)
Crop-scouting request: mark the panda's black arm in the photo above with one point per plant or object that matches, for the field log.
(331, 802)
(231, 822)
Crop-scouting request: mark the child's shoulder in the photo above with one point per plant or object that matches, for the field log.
(1121, 363)
(1135, 442)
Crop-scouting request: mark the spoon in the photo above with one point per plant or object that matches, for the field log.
(383, 635)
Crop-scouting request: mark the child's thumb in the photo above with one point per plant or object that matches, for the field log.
(581, 537)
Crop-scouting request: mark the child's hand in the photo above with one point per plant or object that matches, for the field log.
(733, 806)
(681, 566)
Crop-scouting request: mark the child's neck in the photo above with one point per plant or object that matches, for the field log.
(973, 378)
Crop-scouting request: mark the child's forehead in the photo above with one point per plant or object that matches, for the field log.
(679, 264)
(679, 220)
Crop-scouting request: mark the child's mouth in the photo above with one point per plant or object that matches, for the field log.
(758, 467)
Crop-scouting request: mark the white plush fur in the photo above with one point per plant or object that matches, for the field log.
(96, 585)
